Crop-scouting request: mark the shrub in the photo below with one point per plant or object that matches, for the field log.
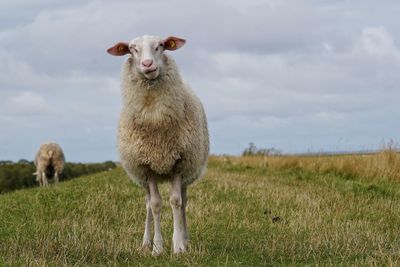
(20, 175)
(252, 150)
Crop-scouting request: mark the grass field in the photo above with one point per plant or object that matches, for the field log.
(253, 211)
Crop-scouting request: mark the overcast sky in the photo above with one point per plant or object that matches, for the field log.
(295, 75)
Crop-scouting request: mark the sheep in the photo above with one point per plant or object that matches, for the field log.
(162, 132)
(49, 162)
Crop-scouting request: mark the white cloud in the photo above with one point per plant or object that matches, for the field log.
(27, 104)
(287, 84)
(378, 41)
(279, 73)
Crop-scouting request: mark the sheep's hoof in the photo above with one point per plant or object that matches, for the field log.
(156, 252)
(146, 245)
(157, 249)
(179, 247)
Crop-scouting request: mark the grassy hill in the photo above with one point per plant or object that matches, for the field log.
(245, 212)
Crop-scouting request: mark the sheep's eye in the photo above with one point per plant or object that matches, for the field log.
(135, 49)
(159, 46)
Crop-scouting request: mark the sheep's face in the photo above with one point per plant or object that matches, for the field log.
(147, 53)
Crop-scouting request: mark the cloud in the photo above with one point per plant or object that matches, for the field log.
(26, 104)
(287, 84)
(293, 75)
(377, 41)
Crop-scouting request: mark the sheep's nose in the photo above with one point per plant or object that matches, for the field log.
(147, 63)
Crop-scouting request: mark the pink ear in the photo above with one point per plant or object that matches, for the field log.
(119, 49)
(173, 43)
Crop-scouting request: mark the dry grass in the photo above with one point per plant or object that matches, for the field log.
(382, 166)
(245, 212)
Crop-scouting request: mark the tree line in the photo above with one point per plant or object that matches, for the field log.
(16, 175)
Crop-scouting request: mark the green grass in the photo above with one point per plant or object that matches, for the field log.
(238, 215)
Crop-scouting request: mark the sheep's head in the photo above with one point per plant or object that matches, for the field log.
(147, 52)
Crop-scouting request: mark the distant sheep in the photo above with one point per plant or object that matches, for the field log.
(162, 133)
(49, 162)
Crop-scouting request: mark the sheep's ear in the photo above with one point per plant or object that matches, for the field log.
(119, 49)
(173, 43)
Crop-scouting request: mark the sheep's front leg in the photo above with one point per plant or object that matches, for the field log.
(149, 219)
(178, 237)
(39, 178)
(184, 204)
(44, 179)
(156, 204)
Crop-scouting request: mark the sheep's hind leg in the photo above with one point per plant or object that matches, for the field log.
(156, 204)
(56, 177)
(149, 219)
(178, 238)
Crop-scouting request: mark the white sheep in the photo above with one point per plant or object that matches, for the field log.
(162, 134)
(49, 162)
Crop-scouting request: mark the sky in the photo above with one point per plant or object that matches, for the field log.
(298, 76)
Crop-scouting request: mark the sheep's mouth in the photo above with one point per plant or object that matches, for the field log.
(150, 71)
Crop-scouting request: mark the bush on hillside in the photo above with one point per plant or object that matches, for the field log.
(20, 175)
(252, 150)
